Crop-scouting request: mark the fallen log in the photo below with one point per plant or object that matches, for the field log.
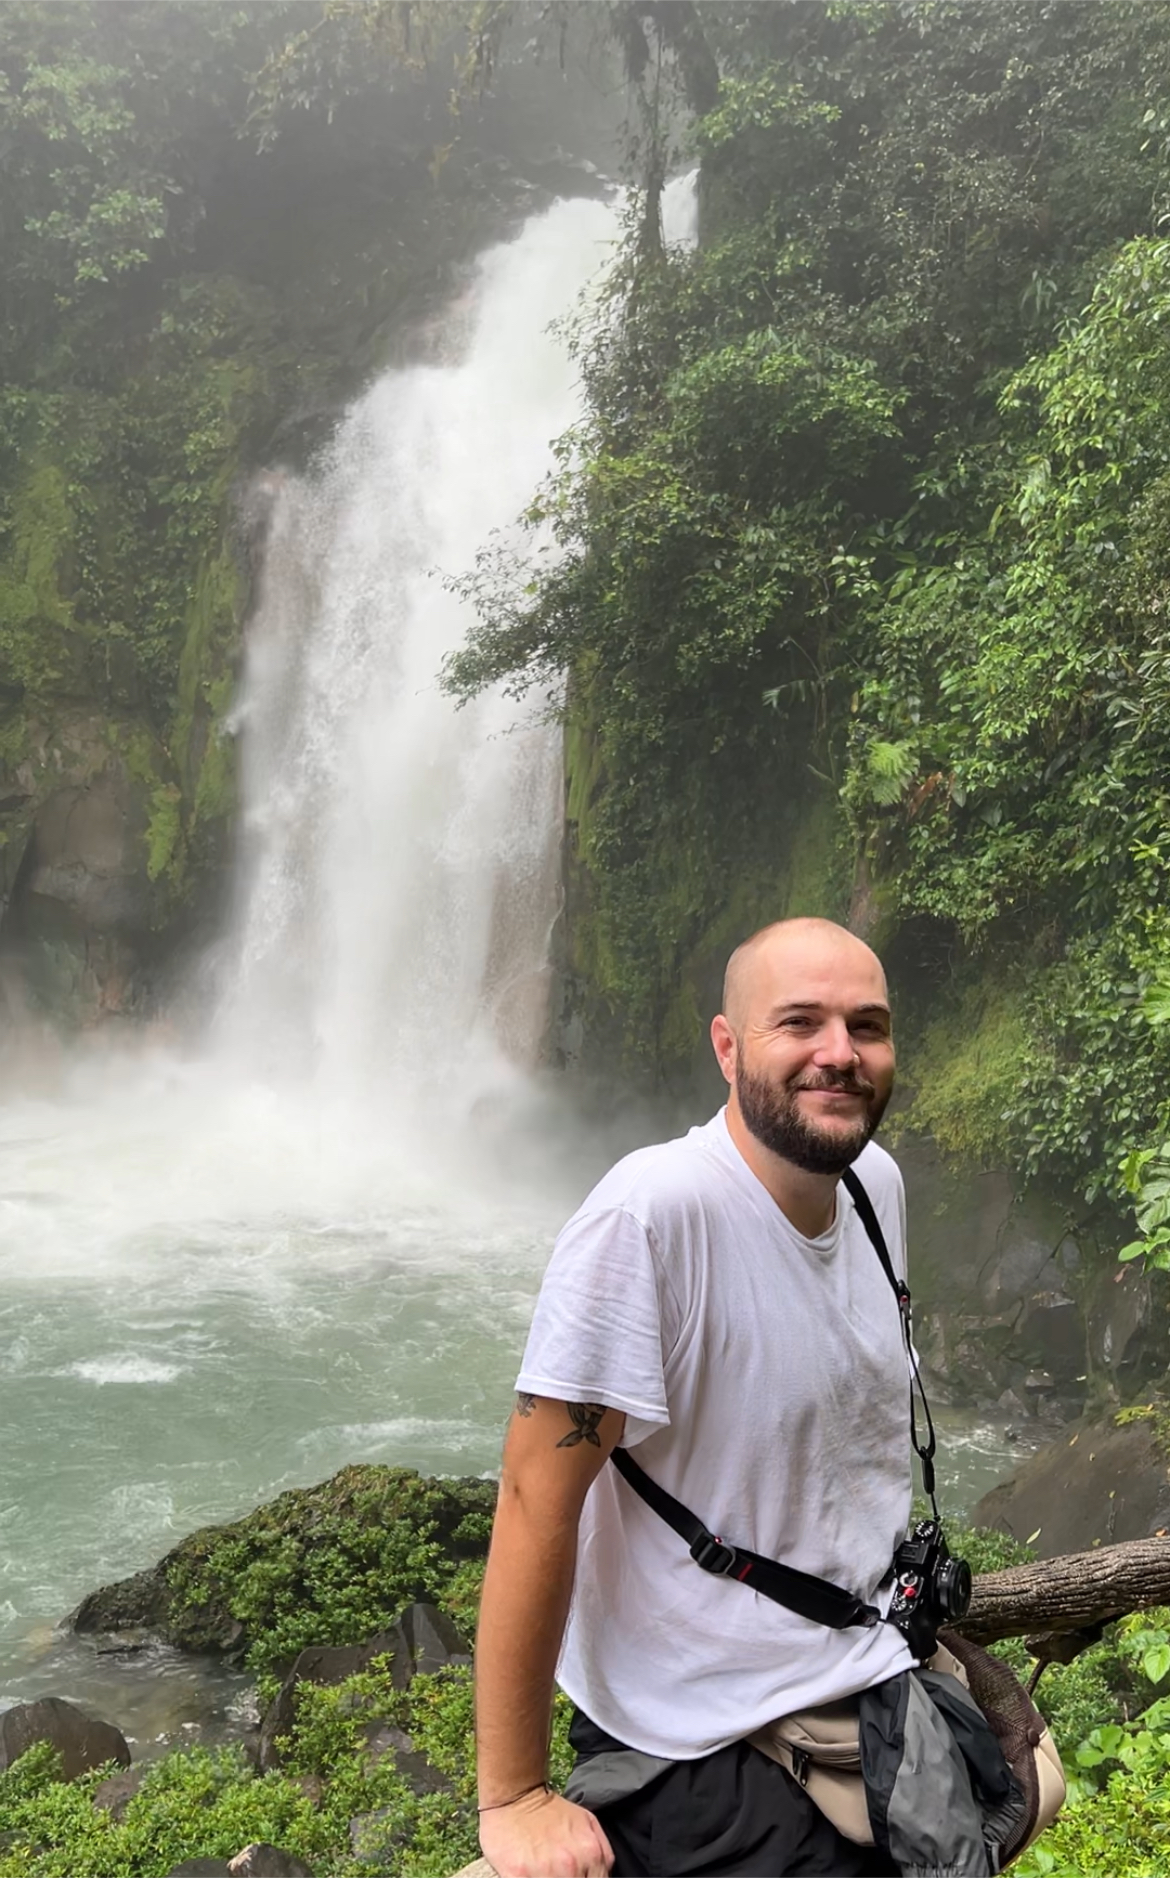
(1058, 1596)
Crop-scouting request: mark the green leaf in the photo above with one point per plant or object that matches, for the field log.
(1156, 1662)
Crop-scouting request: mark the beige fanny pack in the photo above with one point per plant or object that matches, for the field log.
(820, 1748)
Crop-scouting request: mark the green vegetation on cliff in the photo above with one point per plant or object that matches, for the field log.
(864, 532)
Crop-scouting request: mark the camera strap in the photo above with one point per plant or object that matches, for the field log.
(925, 1450)
(815, 1598)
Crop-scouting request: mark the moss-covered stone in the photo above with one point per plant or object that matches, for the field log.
(329, 1564)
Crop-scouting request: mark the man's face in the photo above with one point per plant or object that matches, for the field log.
(814, 1065)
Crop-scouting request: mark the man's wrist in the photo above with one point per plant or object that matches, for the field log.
(535, 1786)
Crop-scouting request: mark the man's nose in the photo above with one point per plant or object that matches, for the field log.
(835, 1046)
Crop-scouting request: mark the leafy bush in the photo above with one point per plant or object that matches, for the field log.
(330, 1564)
(203, 1803)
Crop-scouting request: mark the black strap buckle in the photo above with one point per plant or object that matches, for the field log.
(713, 1555)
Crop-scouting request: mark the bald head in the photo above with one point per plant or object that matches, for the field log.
(776, 961)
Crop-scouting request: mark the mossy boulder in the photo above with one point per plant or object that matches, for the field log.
(330, 1564)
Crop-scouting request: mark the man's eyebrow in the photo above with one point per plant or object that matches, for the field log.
(811, 1004)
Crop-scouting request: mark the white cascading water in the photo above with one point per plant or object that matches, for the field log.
(400, 855)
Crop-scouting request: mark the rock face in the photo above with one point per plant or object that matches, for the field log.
(81, 1741)
(1004, 1300)
(87, 824)
(115, 1794)
(1097, 1485)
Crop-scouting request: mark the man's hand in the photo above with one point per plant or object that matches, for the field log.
(544, 1836)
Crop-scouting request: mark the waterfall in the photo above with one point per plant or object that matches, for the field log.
(400, 856)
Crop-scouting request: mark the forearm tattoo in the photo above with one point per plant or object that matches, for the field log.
(585, 1417)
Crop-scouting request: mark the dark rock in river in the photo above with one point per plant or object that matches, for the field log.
(421, 1642)
(81, 1741)
(1099, 1485)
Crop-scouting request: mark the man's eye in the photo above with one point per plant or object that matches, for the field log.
(796, 1023)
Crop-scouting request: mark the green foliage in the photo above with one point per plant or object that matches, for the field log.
(965, 1070)
(210, 1804)
(1146, 1173)
(1023, 670)
(202, 1803)
(330, 1564)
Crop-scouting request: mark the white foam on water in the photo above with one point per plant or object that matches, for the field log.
(103, 1370)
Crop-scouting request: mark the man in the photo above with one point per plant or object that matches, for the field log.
(716, 1308)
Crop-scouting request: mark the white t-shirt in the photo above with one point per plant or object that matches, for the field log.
(765, 1385)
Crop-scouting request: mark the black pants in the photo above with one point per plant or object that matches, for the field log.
(732, 1814)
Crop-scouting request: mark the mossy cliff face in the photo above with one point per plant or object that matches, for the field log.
(642, 952)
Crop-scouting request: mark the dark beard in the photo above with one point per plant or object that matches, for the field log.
(773, 1116)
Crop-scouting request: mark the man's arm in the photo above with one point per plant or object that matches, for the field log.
(553, 1453)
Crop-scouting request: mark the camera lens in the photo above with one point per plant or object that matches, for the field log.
(953, 1588)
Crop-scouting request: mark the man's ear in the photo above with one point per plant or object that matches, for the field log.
(723, 1042)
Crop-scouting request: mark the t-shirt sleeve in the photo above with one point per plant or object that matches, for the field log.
(598, 1331)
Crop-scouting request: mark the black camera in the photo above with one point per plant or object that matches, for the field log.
(930, 1587)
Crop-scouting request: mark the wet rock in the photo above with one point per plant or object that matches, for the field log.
(115, 1794)
(131, 1605)
(325, 1665)
(1052, 1336)
(82, 1741)
(267, 1861)
(81, 893)
(1122, 1340)
(1039, 1382)
(422, 1641)
(1099, 1485)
